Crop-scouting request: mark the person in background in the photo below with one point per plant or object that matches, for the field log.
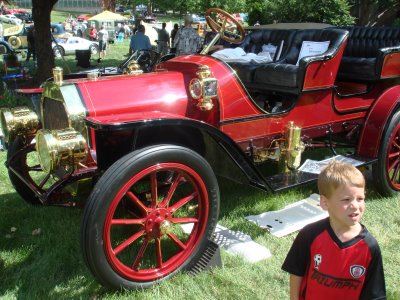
(163, 40)
(187, 40)
(139, 41)
(30, 37)
(93, 34)
(337, 257)
(1, 32)
(84, 27)
(173, 34)
(103, 40)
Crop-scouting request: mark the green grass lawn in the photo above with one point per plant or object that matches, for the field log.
(49, 265)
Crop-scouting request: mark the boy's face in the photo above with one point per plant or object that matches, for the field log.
(345, 206)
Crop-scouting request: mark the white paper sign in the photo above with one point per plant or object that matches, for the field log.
(309, 48)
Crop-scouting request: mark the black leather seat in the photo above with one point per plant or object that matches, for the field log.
(288, 77)
(253, 44)
(365, 52)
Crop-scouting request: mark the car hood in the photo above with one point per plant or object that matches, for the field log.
(159, 91)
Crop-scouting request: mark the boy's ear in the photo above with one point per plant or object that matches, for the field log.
(323, 201)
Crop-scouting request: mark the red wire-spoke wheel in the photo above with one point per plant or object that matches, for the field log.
(387, 170)
(150, 215)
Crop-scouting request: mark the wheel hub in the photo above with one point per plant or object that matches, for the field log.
(157, 223)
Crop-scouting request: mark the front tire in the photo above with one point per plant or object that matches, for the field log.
(131, 232)
(386, 172)
(25, 165)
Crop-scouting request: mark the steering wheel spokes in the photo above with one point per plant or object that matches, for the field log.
(225, 24)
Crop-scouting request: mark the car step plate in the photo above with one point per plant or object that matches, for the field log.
(308, 172)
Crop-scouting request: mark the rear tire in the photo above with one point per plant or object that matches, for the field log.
(131, 235)
(386, 172)
(58, 51)
(94, 49)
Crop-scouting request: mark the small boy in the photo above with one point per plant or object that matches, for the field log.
(337, 258)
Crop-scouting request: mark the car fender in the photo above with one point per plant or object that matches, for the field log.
(376, 121)
(155, 128)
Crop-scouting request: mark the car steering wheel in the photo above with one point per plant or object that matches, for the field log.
(220, 24)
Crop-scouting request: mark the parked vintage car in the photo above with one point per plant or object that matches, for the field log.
(10, 19)
(26, 17)
(152, 144)
(68, 45)
(16, 36)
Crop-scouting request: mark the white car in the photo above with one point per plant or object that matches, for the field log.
(68, 45)
(10, 19)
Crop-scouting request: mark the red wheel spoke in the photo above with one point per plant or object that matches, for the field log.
(159, 253)
(129, 241)
(140, 255)
(177, 241)
(393, 165)
(182, 202)
(43, 182)
(154, 192)
(127, 221)
(395, 173)
(171, 191)
(394, 154)
(137, 202)
(184, 220)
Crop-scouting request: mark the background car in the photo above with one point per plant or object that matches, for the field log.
(68, 45)
(24, 16)
(10, 19)
(83, 17)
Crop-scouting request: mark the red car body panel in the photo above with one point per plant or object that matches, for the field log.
(378, 116)
(322, 74)
(110, 96)
(391, 65)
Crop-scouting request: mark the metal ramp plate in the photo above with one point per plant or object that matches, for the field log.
(308, 172)
(292, 218)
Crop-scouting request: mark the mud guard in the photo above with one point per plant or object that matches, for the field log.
(376, 121)
(223, 154)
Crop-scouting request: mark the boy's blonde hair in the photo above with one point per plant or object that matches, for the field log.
(336, 174)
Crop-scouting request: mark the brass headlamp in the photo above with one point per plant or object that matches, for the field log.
(65, 147)
(204, 88)
(18, 120)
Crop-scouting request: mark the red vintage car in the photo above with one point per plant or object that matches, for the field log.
(149, 145)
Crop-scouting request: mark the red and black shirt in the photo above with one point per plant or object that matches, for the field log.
(332, 269)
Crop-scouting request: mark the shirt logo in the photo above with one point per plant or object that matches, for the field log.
(357, 271)
(317, 260)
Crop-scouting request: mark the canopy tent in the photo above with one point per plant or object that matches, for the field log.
(107, 15)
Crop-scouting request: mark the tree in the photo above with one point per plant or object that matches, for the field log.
(375, 12)
(41, 11)
(335, 12)
(108, 5)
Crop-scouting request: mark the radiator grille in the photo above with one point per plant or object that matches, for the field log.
(54, 114)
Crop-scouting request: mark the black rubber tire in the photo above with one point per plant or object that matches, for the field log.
(58, 51)
(94, 49)
(379, 169)
(107, 188)
(20, 165)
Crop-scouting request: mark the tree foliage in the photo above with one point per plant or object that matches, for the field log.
(335, 12)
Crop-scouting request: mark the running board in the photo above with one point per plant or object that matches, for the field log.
(284, 181)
